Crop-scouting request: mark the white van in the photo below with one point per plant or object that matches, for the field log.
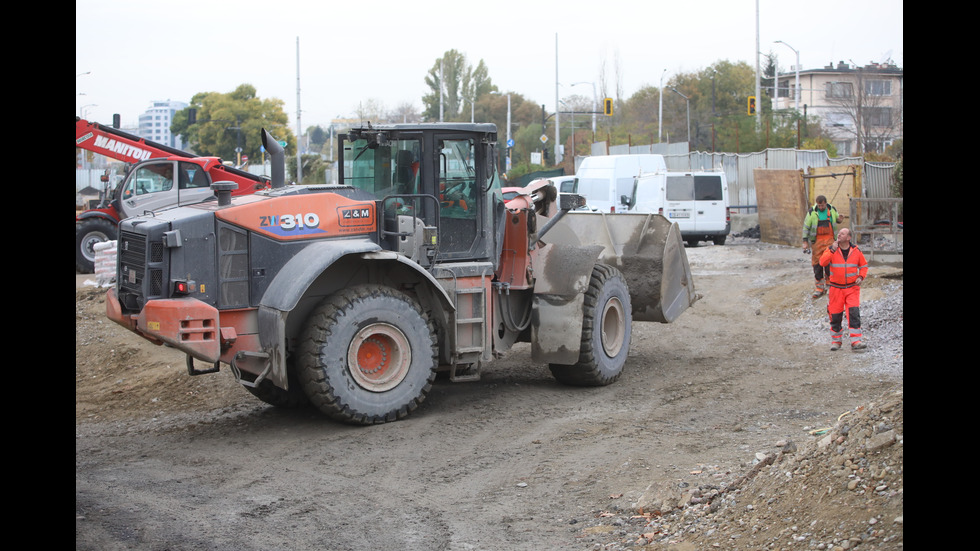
(605, 179)
(697, 201)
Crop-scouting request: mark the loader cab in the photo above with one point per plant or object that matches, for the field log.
(157, 184)
(436, 186)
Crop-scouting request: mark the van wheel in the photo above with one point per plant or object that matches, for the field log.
(692, 242)
(606, 331)
(368, 356)
(719, 240)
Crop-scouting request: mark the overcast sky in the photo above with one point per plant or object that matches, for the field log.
(131, 53)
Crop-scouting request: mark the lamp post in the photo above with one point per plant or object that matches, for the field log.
(797, 94)
(660, 114)
(508, 128)
(688, 101)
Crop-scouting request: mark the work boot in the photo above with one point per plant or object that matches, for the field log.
(835, 346)
(858, 345)
(819, 289)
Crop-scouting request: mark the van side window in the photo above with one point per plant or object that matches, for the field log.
(707, 188)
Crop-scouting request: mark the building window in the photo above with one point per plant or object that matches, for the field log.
(878, 116)
(840, 90)
(878, 87)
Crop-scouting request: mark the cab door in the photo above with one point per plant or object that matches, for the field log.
(155, 185)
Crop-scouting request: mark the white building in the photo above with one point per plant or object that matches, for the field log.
(155, 123)
(861, 108)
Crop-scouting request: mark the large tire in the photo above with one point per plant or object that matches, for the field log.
(369, 355)
(87, 234)
(606, 331)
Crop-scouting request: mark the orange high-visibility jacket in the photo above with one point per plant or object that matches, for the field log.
(843, 273)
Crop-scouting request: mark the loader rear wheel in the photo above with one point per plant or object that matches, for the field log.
(87, 234)
(606, 330)
(369, 355)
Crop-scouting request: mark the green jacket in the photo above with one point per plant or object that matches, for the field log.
(812, 220)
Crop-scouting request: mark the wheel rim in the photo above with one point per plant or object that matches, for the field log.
(379, 357)
(89, 241)
(613, 327)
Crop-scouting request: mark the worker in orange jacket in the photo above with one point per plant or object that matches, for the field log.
(847, 269)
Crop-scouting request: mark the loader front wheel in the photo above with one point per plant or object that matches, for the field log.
(369, 355)
(606, 330)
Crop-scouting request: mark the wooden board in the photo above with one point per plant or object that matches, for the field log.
(781, 200)
(838, 184)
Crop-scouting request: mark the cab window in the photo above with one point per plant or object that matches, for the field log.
(151, 178)
(391, 168)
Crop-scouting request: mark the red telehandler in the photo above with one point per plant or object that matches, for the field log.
(160, 177)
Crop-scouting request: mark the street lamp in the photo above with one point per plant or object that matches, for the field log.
(688, 101)
(797, 94)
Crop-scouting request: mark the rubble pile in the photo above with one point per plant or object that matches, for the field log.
(844, 489)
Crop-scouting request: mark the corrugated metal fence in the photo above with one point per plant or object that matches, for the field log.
(877, 178)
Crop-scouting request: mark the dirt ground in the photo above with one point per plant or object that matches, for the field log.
(733, 428)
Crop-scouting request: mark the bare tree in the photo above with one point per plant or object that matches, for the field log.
(867, 104)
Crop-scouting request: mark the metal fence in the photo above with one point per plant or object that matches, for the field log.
(877, 178)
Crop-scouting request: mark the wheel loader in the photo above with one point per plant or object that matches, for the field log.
(354, 297)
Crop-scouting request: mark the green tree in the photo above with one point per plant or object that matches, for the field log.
(231, 123)
(314, 168)
(460, 83)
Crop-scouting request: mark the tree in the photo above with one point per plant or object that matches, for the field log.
(459, 84)
(230, 124)
(869, 110)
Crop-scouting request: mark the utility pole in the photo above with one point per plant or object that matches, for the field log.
(299, 124)
(557, 108)
(757, 77)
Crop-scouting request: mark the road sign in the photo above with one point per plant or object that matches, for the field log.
(543, 138)
(510, 143)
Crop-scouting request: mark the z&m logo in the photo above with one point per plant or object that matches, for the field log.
(355, 219)
(350, 214)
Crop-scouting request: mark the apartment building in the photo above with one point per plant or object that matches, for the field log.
(154, 123)
(860, 108)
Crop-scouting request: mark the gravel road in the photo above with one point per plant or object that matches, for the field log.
(514, 461)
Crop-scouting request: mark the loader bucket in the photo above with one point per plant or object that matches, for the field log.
(646, 248)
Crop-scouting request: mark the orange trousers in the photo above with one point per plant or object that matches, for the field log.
(840, 301)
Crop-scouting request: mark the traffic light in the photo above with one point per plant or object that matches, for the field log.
(607, 107)
(751, 105)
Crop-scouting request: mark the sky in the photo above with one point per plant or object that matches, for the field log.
(324, 57)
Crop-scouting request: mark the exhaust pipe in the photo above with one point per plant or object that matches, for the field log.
(277, 159)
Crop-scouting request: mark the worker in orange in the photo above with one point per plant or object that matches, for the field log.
(819, 228)
(847, 269)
